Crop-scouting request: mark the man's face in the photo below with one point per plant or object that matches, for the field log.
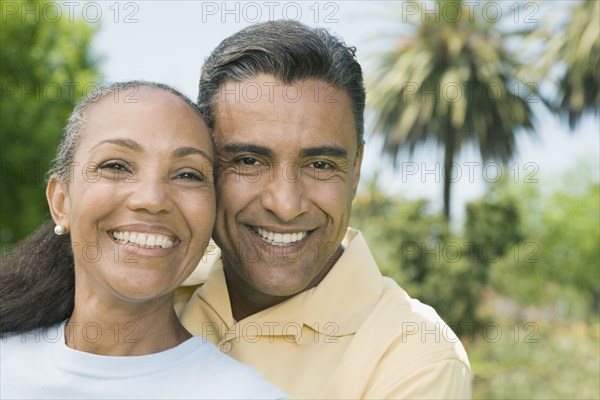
(290, 168)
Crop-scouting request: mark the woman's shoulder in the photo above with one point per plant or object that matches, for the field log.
(34, 337)
(223, 376)
(26, 351)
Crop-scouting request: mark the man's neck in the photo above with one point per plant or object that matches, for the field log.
(246, 301)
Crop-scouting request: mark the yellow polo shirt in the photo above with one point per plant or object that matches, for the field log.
(355, 335)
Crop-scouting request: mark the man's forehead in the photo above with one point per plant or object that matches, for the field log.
(288, 119)
(265, 88)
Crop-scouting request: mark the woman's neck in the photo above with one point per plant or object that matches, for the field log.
(117, 329)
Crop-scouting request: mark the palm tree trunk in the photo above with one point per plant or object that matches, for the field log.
(449, 149)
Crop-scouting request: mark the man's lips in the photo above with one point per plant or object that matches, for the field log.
(280, 238)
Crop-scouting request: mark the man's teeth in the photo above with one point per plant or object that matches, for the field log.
(280, 239)
(148, 240)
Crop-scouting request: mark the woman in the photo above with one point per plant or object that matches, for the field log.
(132, 191)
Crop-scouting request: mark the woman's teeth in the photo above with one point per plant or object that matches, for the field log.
(147, 240)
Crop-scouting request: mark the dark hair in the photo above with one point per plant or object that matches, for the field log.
(290, 51)
(37, 279)
(37, 282)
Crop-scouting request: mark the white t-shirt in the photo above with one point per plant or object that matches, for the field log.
(39, 365)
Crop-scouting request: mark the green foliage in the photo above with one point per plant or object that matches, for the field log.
(561, 255)
(46, 65)
(493, 219)
(573, 45)
(537, 361)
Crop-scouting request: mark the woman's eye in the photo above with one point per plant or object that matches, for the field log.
(115, 170)
(114, 166)
(191, 176)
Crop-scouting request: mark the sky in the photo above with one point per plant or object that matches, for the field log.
(167, 41)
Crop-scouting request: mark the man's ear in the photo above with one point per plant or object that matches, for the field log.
(58, 201)
(357, 164)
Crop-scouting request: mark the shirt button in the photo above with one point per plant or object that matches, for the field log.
(211, 248)
(225, 347)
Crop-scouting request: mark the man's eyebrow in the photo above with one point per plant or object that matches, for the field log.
(330, 151)
(246, 148)
(128, 143)
(187, 150)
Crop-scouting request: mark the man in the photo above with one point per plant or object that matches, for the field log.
(294, 292)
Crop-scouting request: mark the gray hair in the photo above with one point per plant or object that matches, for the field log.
(61, 166)
(290, 51)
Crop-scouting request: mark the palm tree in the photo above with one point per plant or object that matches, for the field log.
(573, 45)
(451, 82)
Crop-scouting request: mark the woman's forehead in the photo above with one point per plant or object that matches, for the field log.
(147, 114)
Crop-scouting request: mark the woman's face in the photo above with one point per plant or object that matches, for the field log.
(140, 204)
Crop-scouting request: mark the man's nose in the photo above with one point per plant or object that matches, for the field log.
(285, 195)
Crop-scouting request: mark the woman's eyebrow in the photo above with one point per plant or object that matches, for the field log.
(128, 143)
(137, 147)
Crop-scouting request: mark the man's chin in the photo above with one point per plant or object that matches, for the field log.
(285, 289)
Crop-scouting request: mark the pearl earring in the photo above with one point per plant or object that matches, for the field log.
(60, 230)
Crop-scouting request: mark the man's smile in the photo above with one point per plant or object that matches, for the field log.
(279, 238)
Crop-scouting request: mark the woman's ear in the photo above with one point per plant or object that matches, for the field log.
(58, 201)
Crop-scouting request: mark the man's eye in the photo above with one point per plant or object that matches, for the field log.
(249, 161)
(321, 165)
(245, 165)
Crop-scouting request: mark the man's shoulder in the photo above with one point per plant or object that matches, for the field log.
(395, 300)
(183, 294)
(396, 314)
(411, 327)
(402, 345)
